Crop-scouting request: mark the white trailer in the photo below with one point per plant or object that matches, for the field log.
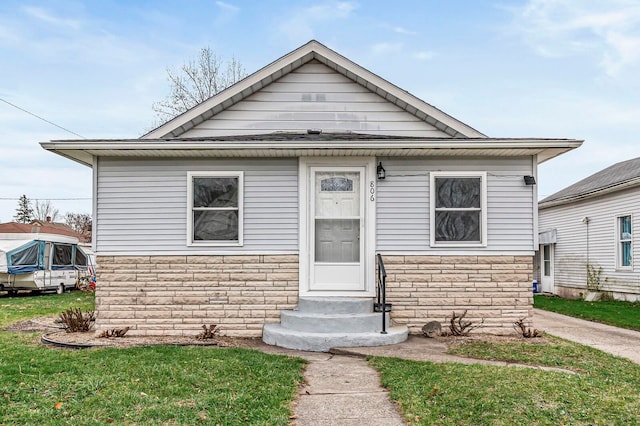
(40, 262)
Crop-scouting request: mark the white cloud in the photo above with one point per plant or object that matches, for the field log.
(424, 55)
(386, 48)
(607, 30)
(44, 16)
(299, 27)
(402, 30)
(227, 6)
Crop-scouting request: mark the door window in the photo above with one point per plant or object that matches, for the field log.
(546, 260)
(337, 217)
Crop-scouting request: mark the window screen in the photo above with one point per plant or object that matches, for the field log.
(62, 255)
(216, 207)
(458, 211)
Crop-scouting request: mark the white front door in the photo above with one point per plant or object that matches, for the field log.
(546, 268)
(336, 229)
(337, 226)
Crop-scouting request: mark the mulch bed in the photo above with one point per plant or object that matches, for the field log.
(54, 334)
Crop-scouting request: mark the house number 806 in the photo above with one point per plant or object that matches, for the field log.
(372, 190)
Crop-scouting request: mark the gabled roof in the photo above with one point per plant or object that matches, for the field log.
(38, 227)
(623, 175)
(295, 59)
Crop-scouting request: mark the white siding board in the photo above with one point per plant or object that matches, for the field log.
(570, 250)
(314, 97)
(403, 203)
(143, 204)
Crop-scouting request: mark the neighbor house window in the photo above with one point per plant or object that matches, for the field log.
(215, 208)
(458, 209)
(624, 241)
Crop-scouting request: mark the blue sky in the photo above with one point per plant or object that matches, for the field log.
(509, 68)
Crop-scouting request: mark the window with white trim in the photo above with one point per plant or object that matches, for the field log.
(215, 208)
(458, 209)
(625, 242)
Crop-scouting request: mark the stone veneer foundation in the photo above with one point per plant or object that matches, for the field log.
(431, 288)
(176, 295)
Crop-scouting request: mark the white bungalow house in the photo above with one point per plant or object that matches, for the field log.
(281, 190)
(587, 235)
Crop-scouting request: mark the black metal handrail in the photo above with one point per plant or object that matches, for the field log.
(381, 294)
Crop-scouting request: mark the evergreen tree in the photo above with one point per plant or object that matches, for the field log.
(24, 212)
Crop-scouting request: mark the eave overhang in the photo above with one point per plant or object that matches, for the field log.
(84, 151)
(620, 186)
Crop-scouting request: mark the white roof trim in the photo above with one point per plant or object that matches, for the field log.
(295, 59)
(591, 194)
(83, 151)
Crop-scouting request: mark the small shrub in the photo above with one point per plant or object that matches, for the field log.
(525, 331)
(210, 332)
(594, 278)
(459, 327)
(114, 332)
(74, 320)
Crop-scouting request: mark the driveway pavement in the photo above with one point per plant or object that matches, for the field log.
(614, 340)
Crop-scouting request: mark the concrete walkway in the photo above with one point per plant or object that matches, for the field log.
(341, 388)
(614, 340)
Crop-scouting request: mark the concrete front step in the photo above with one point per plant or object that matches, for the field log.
(322, 323)
(276, 334)
(336, 305)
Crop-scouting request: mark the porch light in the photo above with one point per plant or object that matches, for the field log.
(380, 171)
(529, 180)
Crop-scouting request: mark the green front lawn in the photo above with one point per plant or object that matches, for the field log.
(145, 385)
(602, 390)
(616, 313)
(25, 305)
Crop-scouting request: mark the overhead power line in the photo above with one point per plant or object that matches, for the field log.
(40, 118)
(46, 199)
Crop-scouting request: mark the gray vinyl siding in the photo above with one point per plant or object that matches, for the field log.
(142, 204)
(570, 250)
(403, 203)
(314, 97)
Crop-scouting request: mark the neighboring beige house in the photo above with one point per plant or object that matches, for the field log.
(592, 222)
(285, 186)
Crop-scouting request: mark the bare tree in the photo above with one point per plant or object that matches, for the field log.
(79, 222)
(24, 212)
(43, 209)
(196, 81)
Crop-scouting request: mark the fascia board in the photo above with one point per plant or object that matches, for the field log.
(633, 183)
(372, 143)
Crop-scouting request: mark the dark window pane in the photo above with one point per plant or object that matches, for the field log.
(62, 254)
(625, 228)
(26, 257)
(215, 225)
(626, 254)
(457, 226)
(81, 258)
(336, 184)
(215, 192)
(457, 192)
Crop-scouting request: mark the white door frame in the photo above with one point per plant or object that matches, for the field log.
(547, 283)
(307, 191)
